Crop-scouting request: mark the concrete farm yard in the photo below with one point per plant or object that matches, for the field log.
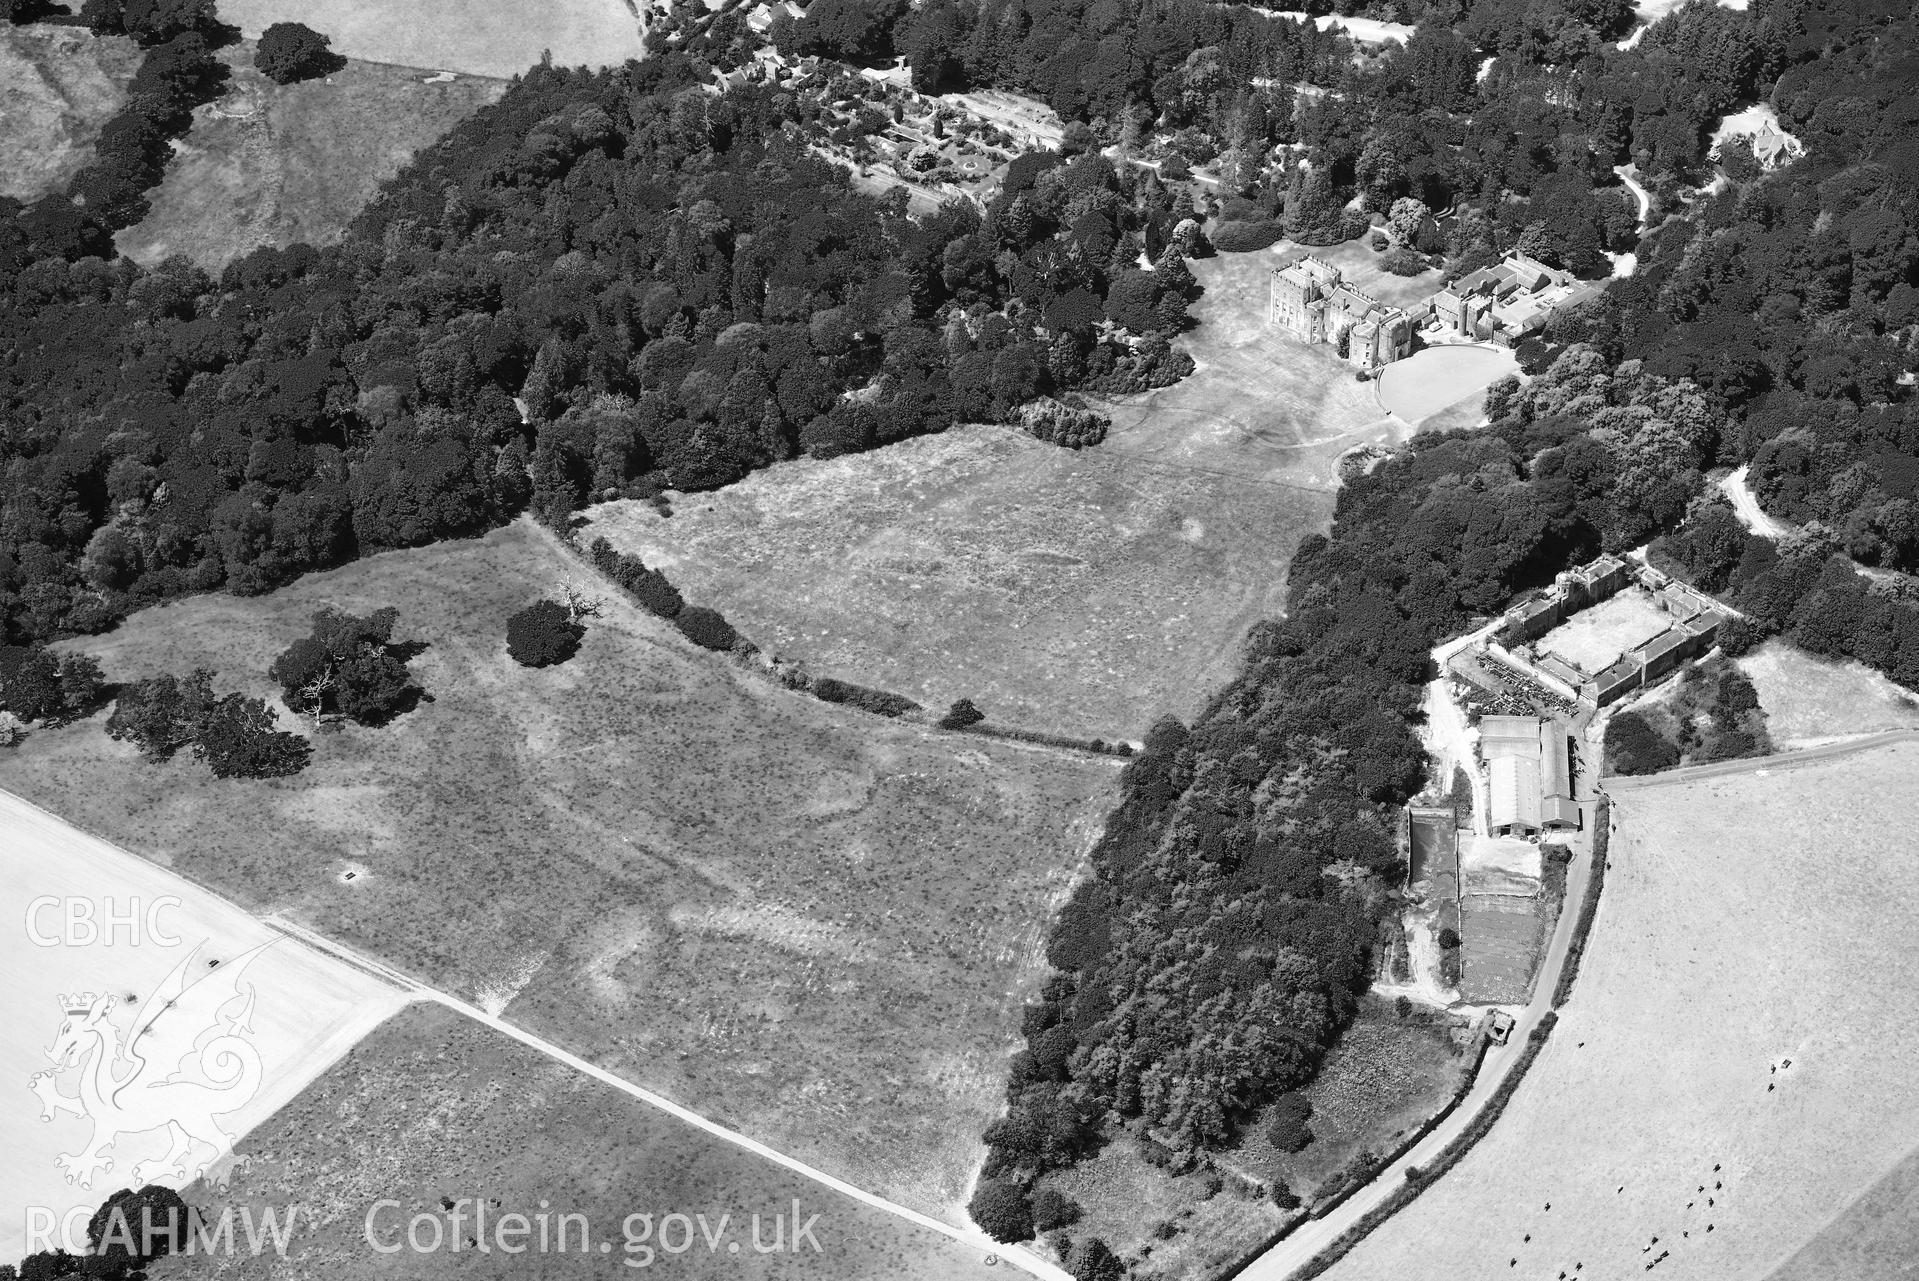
(1750, 919)
(1085, 593)
(809, 924)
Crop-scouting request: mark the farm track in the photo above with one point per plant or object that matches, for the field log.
(419, 991)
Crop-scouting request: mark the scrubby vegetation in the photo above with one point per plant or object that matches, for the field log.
(1713, 715)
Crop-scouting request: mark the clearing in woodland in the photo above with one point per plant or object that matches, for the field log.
(471, 36)
(1726, 1079)
(1811, 700)
(1084, 592)
(813, 925)
(463, 1113)
(58, 85)
(269, 164)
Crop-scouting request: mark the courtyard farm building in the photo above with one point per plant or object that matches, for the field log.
(1505, 304)
(1530, 774)
(1313, 303)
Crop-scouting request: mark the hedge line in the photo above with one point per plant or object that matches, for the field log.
(1096, 745)
(1588, 910)
(1403, 1195)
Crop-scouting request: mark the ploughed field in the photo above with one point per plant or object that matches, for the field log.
(811, 924)
(1084, 593)
(1727, 1077)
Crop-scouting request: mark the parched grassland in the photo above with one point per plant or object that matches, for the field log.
(58, 85)
(1875, 1236)
(469, 36)
(433, 1109)
(1809, 700)
(1383, 1079)
(1084, 592)
(269, 164)
(811, 924)
(1731, 1072)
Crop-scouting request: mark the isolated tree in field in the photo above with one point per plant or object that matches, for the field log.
(1093, 1260)
(348, 666)
(1448, 938)
(291, 51)
(961, 714)
(1286, 1122)
(543, 634)
(1000, 1207)
(239, 739)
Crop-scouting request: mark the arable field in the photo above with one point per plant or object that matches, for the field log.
(468, 36)
(269, 164)
(1733, 1070)
(1591, 639)
(58, 85)
(1084, 592)
(92, 929)
(1809, 700)
(1499, 941)
(434, 1111)
(813, 925)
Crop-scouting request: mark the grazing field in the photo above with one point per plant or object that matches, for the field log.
(171, 941)
(1084, 592)
(1435, 379)
(814, 925)
(58, 85)
(1810, 700)
(1876, 1236)
(1499, 946)
(458, 35)
(462, 1112)
(269, 164)
(1384, 1077)
(1733, 1070)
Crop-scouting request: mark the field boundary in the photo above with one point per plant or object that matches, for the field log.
(1323, 1208)
(1588, 909)
(1750, 764)
(1452, 1154)
(748, 657)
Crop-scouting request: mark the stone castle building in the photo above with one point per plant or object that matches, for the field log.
(1312, 303)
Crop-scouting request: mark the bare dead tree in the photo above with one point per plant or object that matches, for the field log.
(582, 604)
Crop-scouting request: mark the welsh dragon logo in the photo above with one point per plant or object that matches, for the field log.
(187, 1057)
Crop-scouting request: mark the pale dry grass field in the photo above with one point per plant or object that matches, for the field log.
(471, 36)
(269, 164)
(1808, 700)
(433, 1107)
(1085, 592)
(1876, 1236)
(814, 925)
(1748, 920)
(58, 85)
(308, 1009)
